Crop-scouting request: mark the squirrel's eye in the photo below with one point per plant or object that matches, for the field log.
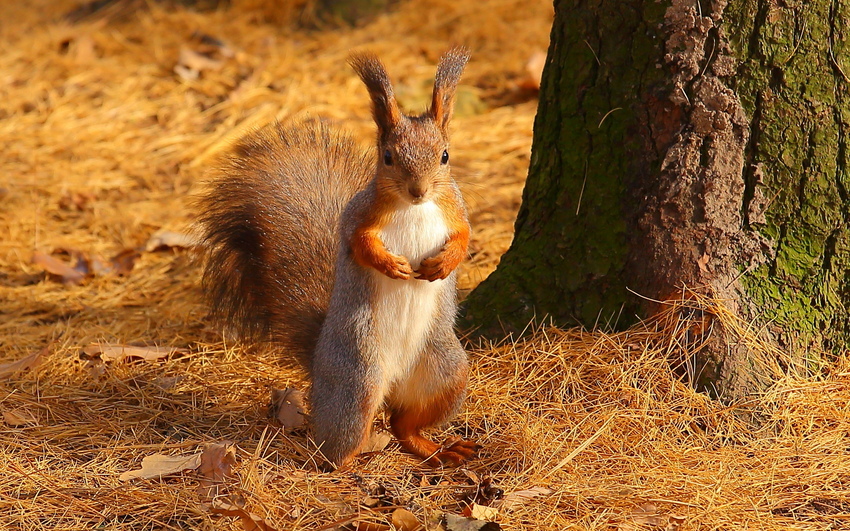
(445, 159)
(388, 158)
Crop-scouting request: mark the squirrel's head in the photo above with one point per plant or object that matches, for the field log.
(413, 151)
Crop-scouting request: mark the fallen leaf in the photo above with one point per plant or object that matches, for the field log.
(485, 492)
(186, 73)
(702, 262)
(453, 522)
(123, 262)
(473, 477)
(483, 512)
(96, 367)
(371, 526)
(159, 465)
(165, 239)
(250, 521)
(675, 522)
(212, 44)
(197, 61)
(287, 406)
(645, 515)
(404, 520)
(120, 264)
(167, 382)
(75, 201)
(521, 497)
(27, 362)
(216, 467)
(371, 502)
(19, 417)
(59, 269)
(109, 353)
(99, 268)
(377, 442)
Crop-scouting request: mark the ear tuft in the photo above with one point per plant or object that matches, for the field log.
(371, 70)
(449, 71)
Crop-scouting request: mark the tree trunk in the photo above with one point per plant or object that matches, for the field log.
(685, 143)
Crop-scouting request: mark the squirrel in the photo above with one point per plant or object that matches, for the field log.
(346, 258)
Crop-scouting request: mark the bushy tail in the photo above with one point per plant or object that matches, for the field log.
(270, 219)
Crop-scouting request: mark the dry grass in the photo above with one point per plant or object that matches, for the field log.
(94, 110)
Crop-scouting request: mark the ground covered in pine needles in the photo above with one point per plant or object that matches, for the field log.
(109, 121)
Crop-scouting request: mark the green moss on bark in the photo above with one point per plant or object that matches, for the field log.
(789, 76)
(570, 247)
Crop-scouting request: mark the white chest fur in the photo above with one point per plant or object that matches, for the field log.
(405, 309)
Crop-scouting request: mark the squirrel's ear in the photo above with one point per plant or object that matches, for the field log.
(384, 107)
(448, 75)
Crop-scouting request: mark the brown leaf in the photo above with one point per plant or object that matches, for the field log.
(186, 73)
(165, 239)
(62, 271)
(96, 368)
(453, 522)
(159, 465)
(19, 417)
(645, 515)
(216, 467)
(483, 512)
(702, 262)
(473, 477)
(287, 406)
(27, 362)
(404, 520)
(123, 262)
(209, 44)
(675, 522)
(109, 353)
(371, 502)
(518, 498)
(76, 201)
(197, 61)
(250, 521)
(167, 382)
(371, 526)
(99, 268)
(485, 492)
(377, 442)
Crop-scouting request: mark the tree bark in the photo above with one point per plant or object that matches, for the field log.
(687, 144)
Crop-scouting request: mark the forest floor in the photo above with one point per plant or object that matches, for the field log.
(108, 123)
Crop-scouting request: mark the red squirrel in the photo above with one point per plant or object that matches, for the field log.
(347, 259)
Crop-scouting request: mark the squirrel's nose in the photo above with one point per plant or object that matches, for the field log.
(416, 190)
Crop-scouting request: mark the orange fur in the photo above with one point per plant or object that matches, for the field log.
(407, 425)
(369, 250)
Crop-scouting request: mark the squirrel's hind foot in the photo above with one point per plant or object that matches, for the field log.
(454, 452)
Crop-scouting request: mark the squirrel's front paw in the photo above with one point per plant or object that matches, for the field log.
(396, 267)
(435, 268)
